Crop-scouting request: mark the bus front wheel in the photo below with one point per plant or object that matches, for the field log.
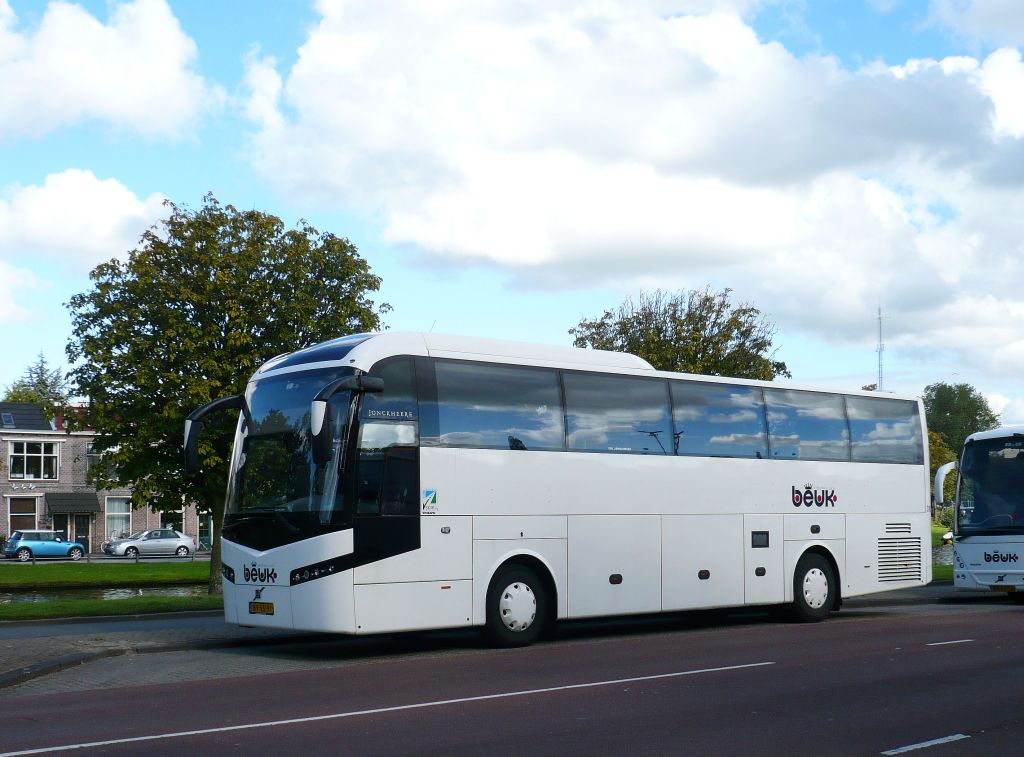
(814, 589)
(517, 607)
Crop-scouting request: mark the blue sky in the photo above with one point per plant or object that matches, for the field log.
(508, 169)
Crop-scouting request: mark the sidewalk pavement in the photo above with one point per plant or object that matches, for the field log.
(32, 649)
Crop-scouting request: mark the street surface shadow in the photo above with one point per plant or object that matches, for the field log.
(339, 648)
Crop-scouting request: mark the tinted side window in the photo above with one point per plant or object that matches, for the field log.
(398, 400)
(622, 414)
(718, 419)
(498, 406)
(387, 470)
(806, 425)
(885, 430)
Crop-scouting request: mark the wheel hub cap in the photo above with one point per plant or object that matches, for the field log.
(815, 588)
(517, 607)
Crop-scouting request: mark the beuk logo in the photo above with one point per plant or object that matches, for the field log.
(256, 574)
(816, 497)
(1001, 557)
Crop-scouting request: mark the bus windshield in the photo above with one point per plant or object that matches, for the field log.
(991, 496)
(276, 492)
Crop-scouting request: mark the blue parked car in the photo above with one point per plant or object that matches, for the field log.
(26, 544)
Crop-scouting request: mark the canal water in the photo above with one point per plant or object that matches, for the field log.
(47, 595)
(942, 555)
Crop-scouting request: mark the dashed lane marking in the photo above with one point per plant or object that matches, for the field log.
(943, 643)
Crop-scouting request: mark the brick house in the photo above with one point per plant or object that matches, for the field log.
(43, 484)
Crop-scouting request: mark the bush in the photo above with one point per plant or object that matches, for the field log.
(944, 517)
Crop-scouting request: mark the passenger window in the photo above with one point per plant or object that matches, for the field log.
(607, 413)
(718, 420)
(498, 406)
(387, 478)
(806, 425)
(885, 430)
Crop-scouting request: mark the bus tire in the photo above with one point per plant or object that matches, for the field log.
(517, 607)
(814, 589)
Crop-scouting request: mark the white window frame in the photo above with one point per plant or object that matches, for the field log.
(34, 498)
(107, 514)
(10, 456)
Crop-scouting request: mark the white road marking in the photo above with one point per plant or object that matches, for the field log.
(943, 643)
(380, 710)
(926, 744)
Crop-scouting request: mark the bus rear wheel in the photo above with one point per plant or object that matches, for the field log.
(814, 589)
(517, 607)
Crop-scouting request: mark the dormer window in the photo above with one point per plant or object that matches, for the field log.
(8, 420)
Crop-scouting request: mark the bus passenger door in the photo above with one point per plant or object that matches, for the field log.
(763, 579)
(412, 572)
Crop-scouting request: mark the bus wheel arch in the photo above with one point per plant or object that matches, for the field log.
(816, 585)
(521, 584)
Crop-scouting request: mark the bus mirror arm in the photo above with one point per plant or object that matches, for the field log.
(320, 411)
(940, 478)
(194, 426)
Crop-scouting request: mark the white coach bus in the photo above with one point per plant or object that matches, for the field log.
(988, 535)
(399, 481)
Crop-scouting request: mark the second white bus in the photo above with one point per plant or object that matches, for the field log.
(988, 535)
(400, 481)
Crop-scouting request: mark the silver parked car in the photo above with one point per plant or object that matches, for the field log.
(157, 541)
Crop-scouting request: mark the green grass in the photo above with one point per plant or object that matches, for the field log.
(75, 608)
(942, 572)
(102, 575)
(937, 532)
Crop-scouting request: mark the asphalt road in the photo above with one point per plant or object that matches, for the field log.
(896, 671)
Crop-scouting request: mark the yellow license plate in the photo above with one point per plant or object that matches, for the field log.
(261, 608)
(1008, 589)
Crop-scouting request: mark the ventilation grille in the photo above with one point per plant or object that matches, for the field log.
(897, 528)
(899, 559)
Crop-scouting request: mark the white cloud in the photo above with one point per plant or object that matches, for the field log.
(74, 219)
(1003, 81)
(136, 72)
(997, 21)
(578, 144)
(1010, 411)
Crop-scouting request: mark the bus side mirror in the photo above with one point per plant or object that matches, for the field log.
(320, 420)
(194, 426)
(940, 479)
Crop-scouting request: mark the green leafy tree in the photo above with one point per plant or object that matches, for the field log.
(954, 411)
(695, 331)
(939, 454)
(41, 384)
(207, 297)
